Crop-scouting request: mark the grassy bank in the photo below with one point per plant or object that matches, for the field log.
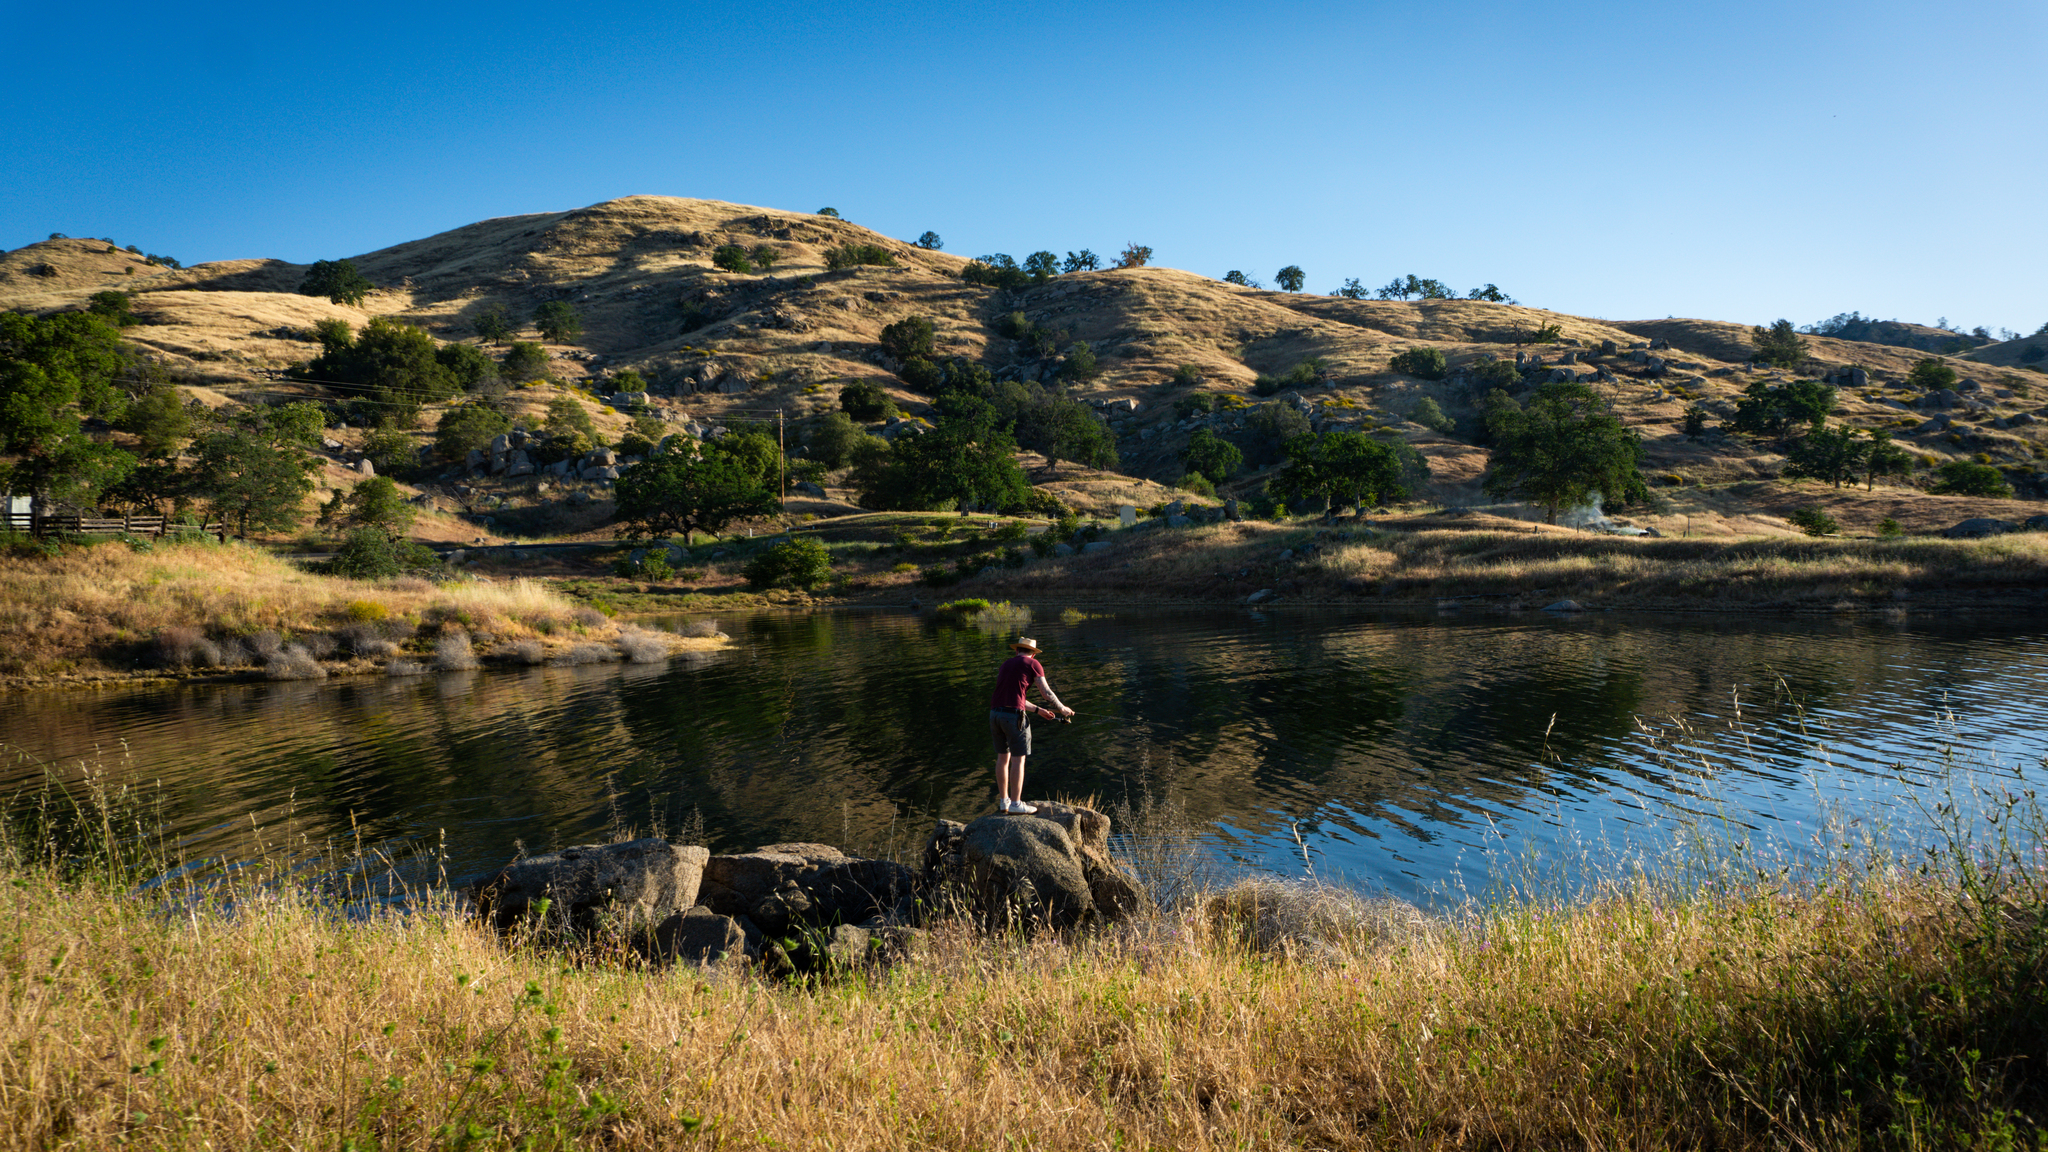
(1863, 1004)
(114, 612)
(1427, 559)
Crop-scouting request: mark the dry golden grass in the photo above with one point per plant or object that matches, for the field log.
(1862, 1009)
(94, 610)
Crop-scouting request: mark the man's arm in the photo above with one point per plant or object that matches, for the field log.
(1044, 687)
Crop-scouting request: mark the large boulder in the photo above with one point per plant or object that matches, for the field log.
(594, 889)
(1051, 869)
(1025, 871)
(734, 884)
(698, 936)
(1979, 527)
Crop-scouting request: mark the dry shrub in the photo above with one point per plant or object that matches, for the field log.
(182, 647)
(1307, 918)
(586, 654)
(588, 618)
(365, 640)
(405, 668)
(641, 646)
(453, 652)
(525, 652)
(294, 663)
(265, 645)
(320, 644)
(233, 653)
(700, 629)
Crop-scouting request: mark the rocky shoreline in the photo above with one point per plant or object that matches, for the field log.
(801, 908)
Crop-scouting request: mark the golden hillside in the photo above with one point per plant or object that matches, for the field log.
(640, 271)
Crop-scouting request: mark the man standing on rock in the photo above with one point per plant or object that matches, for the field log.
(1009, 722)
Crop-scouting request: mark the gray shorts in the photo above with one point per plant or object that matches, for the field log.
(1010, 731)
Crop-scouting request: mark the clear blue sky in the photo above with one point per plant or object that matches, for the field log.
(1734, 160)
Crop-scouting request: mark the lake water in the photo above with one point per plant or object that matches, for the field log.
(1390, 750)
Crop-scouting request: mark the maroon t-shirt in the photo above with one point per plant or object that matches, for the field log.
(1018, 673)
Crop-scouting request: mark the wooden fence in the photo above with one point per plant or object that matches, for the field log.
(154, 527)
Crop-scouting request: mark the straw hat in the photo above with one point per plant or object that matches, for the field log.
(1026, 644)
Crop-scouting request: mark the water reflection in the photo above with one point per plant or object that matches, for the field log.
(1390, 743)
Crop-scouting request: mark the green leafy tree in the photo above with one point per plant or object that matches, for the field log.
(930, 242)
(1353, 290)
(1884, 459)
(910, 338)
(865, 402)
(681, 494)
(995, 271)
(375, 503)
(1134, 255)
(1431, 415)
(468, 428)
(113, 307)
(1695, 421)
(337, 280)
(1561, 449)
(467, 366)
(54, 372)
(568, 417)
(732, 258)
(558, 321)
(1421, 363)
(1267, 428)
(832, 212)
(1492, 374)
(1343, 468)
(1212, 455)
(1814, 522)
(832, 438)
(801, 563)
(1965, 478)
(1770, 411)
(1780, 344)
(957, 462)
(849, 255)
(1491, 294)
(160, 422)
(1290, 278)
(1080, 364)
(1234, 276)
(754, 451)
(525, 360)
(1065, 429)
(1829, 454)
(492, 324)
(1041, 266)
(394, 364)
(764, 257)
(373, 554)
(1082, 261)
(1416, 287)
(255, 471)
(1931, 375)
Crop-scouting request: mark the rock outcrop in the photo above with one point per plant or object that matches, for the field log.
(594, 889)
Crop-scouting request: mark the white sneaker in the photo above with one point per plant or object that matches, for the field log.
(1003, 804)
(1020, 808)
